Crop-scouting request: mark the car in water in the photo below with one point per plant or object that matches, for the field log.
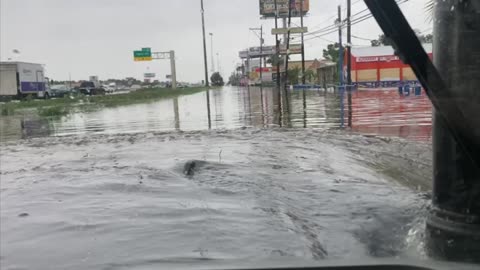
(59, 90)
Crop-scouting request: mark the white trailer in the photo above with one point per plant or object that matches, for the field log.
(21, 79)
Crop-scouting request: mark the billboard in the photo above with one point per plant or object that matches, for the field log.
(254, 52)
(267, 7)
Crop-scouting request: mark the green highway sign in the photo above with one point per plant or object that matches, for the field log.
(144, 55)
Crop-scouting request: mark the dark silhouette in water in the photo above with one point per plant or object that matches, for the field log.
(189, 168)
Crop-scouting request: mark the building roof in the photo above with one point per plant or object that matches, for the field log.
(381, 50)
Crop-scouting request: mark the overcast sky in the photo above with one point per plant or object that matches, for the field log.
(97, 37)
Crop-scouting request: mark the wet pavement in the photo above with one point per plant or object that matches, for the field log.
(111, 189)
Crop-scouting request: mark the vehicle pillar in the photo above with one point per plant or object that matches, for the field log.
(453, 224)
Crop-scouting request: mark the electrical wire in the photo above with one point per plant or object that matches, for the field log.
(334, 27)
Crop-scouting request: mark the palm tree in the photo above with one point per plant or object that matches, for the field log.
(429, 8)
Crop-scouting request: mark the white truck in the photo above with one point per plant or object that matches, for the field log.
(19, 79)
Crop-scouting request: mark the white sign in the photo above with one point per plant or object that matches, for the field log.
(293, 30)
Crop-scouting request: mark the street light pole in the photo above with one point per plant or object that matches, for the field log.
(211, 52)
(204, 44)
(261, 48)
(218, 62)
(261, 55)
(303, 44)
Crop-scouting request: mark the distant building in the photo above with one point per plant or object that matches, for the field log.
(380, 67)
(327, 73)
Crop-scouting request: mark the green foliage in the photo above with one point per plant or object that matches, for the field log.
(381, 41)
(216, 79)
(293, 75)
(235, 79)
(309, 75)
(384, 41)
(55, 111)
(63, 106)
(332, 52)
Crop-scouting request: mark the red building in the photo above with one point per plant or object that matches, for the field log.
(379, 67)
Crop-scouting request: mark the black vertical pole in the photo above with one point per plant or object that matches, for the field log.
(261, 55)
(204, 44)
(206, 65)
(340, 68)
(349, 61)
(303, 46)
(277, 49)
(453, 225)
(288, 41)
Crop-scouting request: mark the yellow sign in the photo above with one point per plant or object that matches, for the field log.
(142, 59)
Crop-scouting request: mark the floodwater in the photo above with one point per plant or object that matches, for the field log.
(145, 186)
(377, 112)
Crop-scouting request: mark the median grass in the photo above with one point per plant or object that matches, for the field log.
(69, 104)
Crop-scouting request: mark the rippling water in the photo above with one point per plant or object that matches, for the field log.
(115, 194)
(106, 201)
(381, 112)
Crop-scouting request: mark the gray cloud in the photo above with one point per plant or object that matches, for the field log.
(97, 37)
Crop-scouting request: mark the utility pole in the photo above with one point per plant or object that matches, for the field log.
(340, 46)
(218, 62)
(204, 45)
(206, 66)
(303, 46)
(340, 66)
(288, 44)
(261, 55)
(173, 70)
(211, 52)
(349, 61)
(261, 49)
(277, 44)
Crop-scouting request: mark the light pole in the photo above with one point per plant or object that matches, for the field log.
(218, 62)
(211, 52)
(204, 44)
(261, 49)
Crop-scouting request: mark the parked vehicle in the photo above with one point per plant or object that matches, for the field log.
(91, 89)
(58, 91)
(20, 79)
(110, 88)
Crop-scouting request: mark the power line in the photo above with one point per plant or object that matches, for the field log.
(334, 27)
(361, 38)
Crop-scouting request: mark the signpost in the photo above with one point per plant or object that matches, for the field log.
(254, 52)
(144, 55)
(293, 30)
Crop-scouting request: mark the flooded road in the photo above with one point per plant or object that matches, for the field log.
(378, 112)
(117, 194)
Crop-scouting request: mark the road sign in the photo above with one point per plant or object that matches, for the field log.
(293, 30)
(149, 75)
(292, 49)
(144, 55)
(138, 59)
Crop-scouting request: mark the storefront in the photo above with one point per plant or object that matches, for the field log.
(379, 67)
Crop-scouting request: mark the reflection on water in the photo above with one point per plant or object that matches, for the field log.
(373, 112)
